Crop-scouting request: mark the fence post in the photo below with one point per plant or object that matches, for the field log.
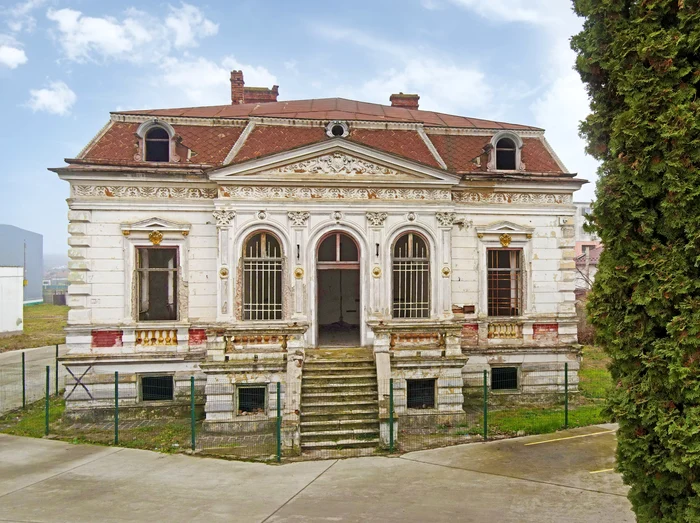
(279, 423)
(116, 407)
(486, 406)
(192, 414)
(566, 395)
(24, 384)
(48, 392)
(391, 414)
(56, 363)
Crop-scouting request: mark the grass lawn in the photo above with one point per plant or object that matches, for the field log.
(43, 325)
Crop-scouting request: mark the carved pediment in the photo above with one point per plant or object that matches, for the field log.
(504, 232)
(156, 224)
(336, 164)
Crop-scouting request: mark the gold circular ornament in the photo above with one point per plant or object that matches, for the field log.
(223, 272)
(446, 271)
(156, 237)
(298, 273)
(377, 272)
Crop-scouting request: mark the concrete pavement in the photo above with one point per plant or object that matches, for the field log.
(506, 481)
(36, 361)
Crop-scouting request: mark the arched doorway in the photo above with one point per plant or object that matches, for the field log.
(338, 278)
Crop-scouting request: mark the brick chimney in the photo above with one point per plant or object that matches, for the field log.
(240, 94)
(408, 101)
(237, 87)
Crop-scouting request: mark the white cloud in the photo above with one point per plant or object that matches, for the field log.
(12, 57)
(188, 24)
(138, 37)
(57, 98)
(19, 16)
(205, 82)
(533, 11)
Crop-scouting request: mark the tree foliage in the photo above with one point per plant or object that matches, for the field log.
(640, 61)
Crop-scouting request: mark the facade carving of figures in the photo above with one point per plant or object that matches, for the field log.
(376, 219)
(298, 218)
(224, 218)
(446, 219)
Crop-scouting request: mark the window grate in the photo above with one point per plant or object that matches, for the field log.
(504, 378)
(504, 282)
(157, 388)
(262, 278)
(157, 281)
(420, 394)
(251, 400)
(411, 277)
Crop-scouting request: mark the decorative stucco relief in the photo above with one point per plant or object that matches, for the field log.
(330, 193)
(522, 198)
(298, 218)
(376, 219)
(125, 191)
(335, 164)
(446, 219)
(224, 218)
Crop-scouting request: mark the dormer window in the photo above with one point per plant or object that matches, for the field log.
(157, 145)
(505, 155)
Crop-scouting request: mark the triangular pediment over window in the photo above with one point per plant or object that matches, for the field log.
(153, 224)
(498, 228)
(334, 162)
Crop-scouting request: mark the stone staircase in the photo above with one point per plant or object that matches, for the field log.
(339, 407)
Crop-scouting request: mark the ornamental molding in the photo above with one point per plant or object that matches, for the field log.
(155, 224)
(130, 191)
(511, 198)
(334, 164)
(298, 218)
(331, 193)
(376, 219)
(224, 217)
(446, 219)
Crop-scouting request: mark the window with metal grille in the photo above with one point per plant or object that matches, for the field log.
(262, 278)
(157, 388)
(504, 282)
(156, 280)
(505, 154)
(504, 378)
(251, 400)
(411, 277)
(420, 394)
(157, 145)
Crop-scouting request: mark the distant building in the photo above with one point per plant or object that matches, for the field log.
(21, 248)
(588, 249)
(11, 313)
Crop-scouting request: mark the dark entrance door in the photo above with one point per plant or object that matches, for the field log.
(338, 277)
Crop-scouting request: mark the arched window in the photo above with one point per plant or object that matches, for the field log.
(411, 277)
(262, 278)
(157, 145)
(506, 154)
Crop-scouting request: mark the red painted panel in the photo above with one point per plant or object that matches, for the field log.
(198, 337)
(104, 339)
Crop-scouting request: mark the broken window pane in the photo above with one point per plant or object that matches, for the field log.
(157, 283)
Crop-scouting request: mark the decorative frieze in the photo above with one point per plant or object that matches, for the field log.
(376, 219)
(130, 191)
(336, 164)
(298, 218)
(511, 198)
(331, 193)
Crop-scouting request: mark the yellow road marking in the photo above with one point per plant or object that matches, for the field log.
(599, 471)
(569, 437)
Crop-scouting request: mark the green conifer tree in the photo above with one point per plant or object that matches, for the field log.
(640, 61)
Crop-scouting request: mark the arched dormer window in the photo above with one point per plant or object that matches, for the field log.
(505, 152)
(157, 145)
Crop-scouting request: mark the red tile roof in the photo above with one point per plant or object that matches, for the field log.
(460, 152)
(537, 158)
(333, 109)
(408, 144)
(265, 140)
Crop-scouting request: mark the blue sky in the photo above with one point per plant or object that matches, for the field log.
(64, 64)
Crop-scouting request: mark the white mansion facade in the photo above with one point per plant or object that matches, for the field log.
(229, 242)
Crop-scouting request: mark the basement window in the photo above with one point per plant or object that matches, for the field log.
(504, 378)
(157, 388)
(251, 400)
(420, 394)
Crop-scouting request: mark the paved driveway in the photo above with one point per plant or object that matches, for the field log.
(518, 480)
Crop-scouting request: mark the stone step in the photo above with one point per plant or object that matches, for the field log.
(336, 417)
(309, 399)
(337, 423)
(340, 389)
(338, 362)
(339, 383)
(332, 435)
(308, 366)
(337, 375)
(330, 404)
(341, 443)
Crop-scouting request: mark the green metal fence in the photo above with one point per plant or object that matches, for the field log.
(272, 422)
